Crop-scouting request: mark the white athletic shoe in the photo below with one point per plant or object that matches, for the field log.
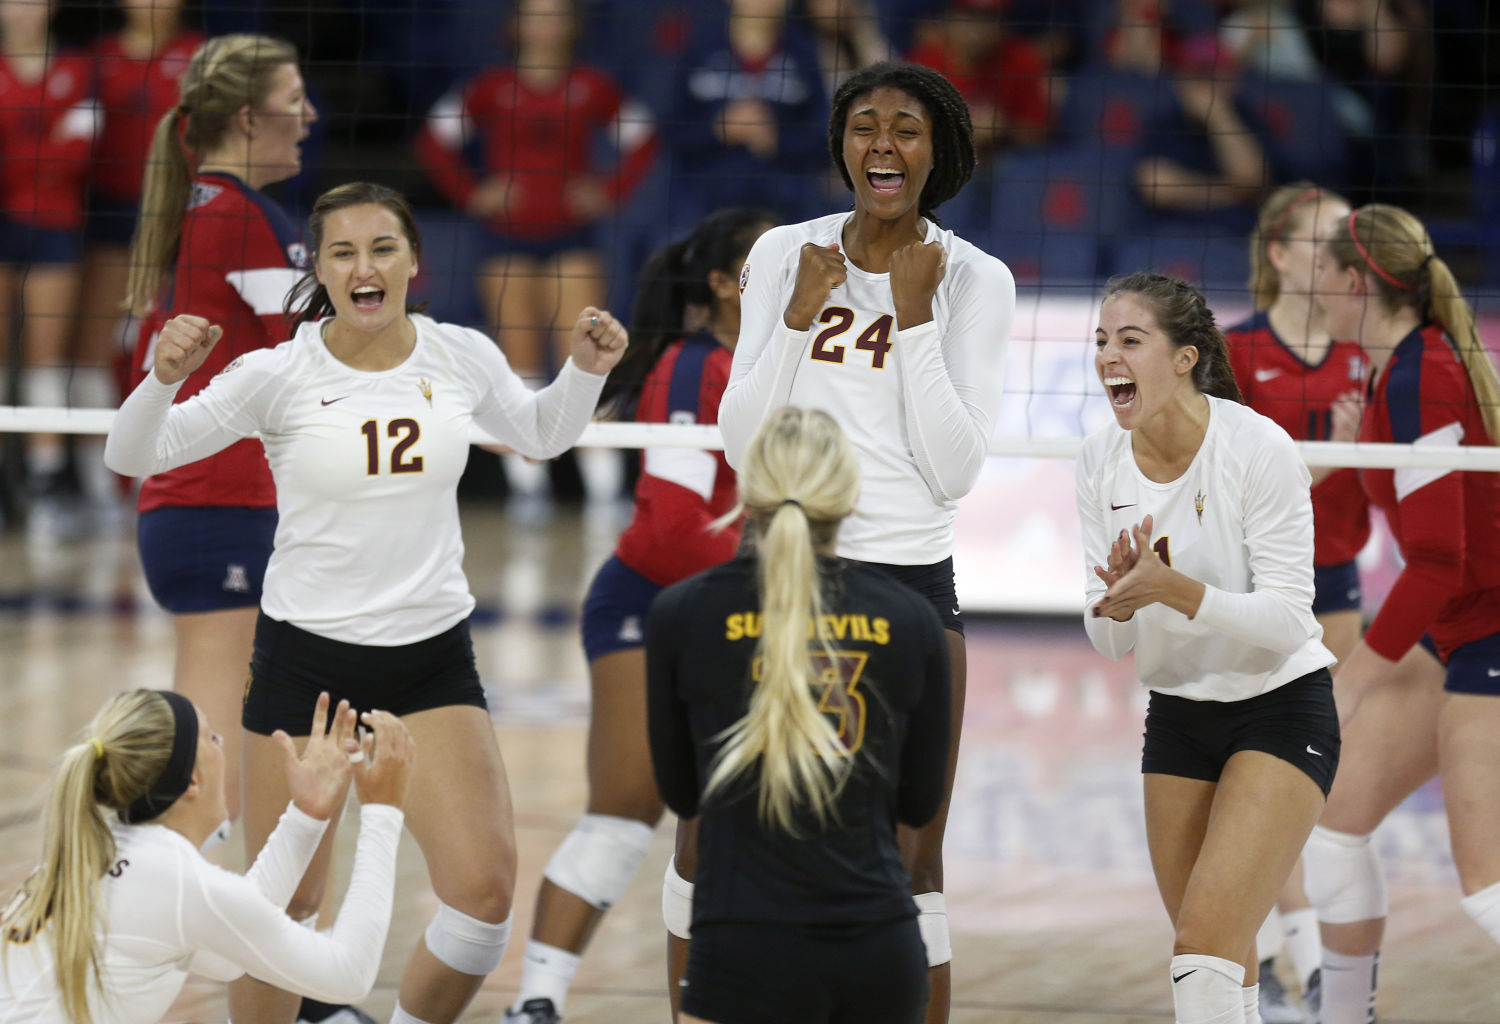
(1276, 1004)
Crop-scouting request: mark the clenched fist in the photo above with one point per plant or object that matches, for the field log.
(184, 342)
(820, 270)
(916, 271)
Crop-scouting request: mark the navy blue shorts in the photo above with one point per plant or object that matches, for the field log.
(1297, 722)
(291, 666)
(110, 220)
(29, 245)
(1475, 667)
(934, 582)
(1336, 588)
(206, 559)
(492, 244)
(614, 612)
(743, 973)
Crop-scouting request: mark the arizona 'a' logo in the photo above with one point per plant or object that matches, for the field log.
(1198, 500)
(426, 389)
(236, 579)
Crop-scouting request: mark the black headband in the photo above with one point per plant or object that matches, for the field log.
(178, 773)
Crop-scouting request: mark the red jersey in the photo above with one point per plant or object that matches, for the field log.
(1012, 79)
(1300, 397)
(240, 254)
(542, 140)
(134, 94)
(682, 490)
(47, 128)
(1446, 522)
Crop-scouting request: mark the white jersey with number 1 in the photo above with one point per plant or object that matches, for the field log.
(1239, 521)
(919, 405)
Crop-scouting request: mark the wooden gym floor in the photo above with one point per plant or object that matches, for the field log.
(1054, 914)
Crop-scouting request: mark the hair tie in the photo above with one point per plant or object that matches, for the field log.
(1370, 260)
(178, 773)
(1426, 260)
(98, 748)
(794, 501)
(1275, 233)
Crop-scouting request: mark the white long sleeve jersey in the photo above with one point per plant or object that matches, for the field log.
(167, 913)
(919, 405)
(368, 548)
(1239, 521)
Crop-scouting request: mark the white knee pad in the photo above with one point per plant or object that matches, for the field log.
(932, 922)
(464, 943)
(677, 902)
(599, 858)
(1344, 879)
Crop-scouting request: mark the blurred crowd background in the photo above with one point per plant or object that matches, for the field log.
(551, 145)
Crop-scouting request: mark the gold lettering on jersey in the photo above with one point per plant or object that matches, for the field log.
(426, 389)
(875, 630)
(1198, 500)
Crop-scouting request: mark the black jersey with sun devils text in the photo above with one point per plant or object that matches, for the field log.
(889, 695)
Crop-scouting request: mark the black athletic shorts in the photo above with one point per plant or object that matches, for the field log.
(291, 666)
(806, 974)
(1296, 722)
(935, 583)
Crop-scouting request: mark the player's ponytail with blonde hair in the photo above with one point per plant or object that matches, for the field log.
(1287, 214)
(225, 75)
(799, 479)
(130, 742)
(1392, 248)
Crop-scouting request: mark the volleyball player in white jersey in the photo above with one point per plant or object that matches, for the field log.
(898, 329)
(1198, 555)
(365, 416)
(123, 907)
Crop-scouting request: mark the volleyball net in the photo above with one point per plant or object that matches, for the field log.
(1112, 136)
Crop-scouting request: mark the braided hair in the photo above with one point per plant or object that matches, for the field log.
(672, 280)
(953, 156)
(1184, 316)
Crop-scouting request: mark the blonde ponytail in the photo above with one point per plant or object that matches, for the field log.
(800, 478)
(130, 742)
(1453, 312)
(1394, 248)
(225, 75)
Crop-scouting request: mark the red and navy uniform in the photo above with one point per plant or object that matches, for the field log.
(668, 539)
(47, 128)
(238, 257)
(1446, 522)
(1300, 397)
(134, 93)
(681, 491)
(541, 139)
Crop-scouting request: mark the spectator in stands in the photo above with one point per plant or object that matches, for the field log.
(1003, 77)
(48, 120)
(1200, 159)
(137, 71)
(1369, 53)
(848, 37)
(537, 188)
(751, 125)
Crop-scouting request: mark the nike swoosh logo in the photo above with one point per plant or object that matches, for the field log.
(1264, 375)
(1314, 753)
(330, 401)
(1118, 507)
(1178, 977)
(956, 612)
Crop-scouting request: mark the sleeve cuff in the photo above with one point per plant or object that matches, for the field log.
(382, 814)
